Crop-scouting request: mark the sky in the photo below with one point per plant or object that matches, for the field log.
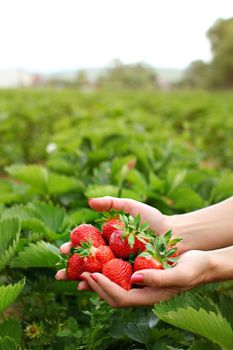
(56, 35)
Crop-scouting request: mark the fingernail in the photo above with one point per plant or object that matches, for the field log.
(94, 277)
(83, 278)
(137, 278)
(56, 277)
(80, 287)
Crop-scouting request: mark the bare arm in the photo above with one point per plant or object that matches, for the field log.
(207, 228)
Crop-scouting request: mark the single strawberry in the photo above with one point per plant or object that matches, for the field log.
(143, 263)
(160, 253)
(74, 267)
(91, 264)
(129, 239)
(119, 271)
(84, 233)
(94, 258)
(120, 246)
(104, 254)
(109, 227)
(110, 220)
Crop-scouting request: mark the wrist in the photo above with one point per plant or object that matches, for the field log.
(221, 262)
(182, 228)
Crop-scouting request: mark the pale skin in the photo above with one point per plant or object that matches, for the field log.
(206, 253)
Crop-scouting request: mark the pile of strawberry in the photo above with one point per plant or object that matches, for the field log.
(123, 247)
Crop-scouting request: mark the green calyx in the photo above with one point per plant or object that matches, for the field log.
(86, 249)
(111, 214)
(132, 229)
(162, 248)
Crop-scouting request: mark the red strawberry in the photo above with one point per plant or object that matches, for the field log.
(142, 263)
(104, 254)
(94, 258)
(120, 246)
(160, 253)
(140, 246)
(119, 271)
(125, 241)
(84, 233)
(109, 227)
(91, 264)
(74, 267)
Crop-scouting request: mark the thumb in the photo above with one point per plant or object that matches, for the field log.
(107, 203)
(157, 278)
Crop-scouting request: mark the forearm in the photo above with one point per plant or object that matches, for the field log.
(222, 264)
(207, 228)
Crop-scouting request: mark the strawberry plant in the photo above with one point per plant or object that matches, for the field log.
(59, 148)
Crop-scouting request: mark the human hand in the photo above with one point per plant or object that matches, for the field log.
(158, 222)
(192, 269)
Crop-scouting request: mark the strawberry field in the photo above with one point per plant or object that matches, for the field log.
(171, 150)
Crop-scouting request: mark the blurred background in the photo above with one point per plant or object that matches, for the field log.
(131, 44)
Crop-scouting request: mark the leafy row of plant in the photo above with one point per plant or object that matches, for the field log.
(142, 147)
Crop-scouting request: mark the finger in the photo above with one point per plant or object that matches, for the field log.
(84, 286)
(132, 297)
(128, 205)
(107, 203)
(149, 214)
(113, 291)
(159, 278)
(61, 275)
(65, 248)
(148, 296)
(97, 288)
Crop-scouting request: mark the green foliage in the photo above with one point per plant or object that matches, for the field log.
(42, 181)
(9, 293)
(67, 147)
(131, 76)
(7, 343)
(11, 328)
(40, 254)
(208, 317)
(9, 236)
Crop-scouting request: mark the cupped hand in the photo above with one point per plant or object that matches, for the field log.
(193, 269)
(158, 222)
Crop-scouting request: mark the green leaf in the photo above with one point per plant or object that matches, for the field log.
(59, 184)
(177, 180)
(101, 190)
(204, 345)
(9, 237)
(137, 180)
(200, 315)
(40, 254)
(7, 343)
(9, 293)
(39, 217)
(186, 199)
(34, 175)
(82, 215)
(156, 184)
(51, 215)
(138, 332)
(223, 189)
(12, 329)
